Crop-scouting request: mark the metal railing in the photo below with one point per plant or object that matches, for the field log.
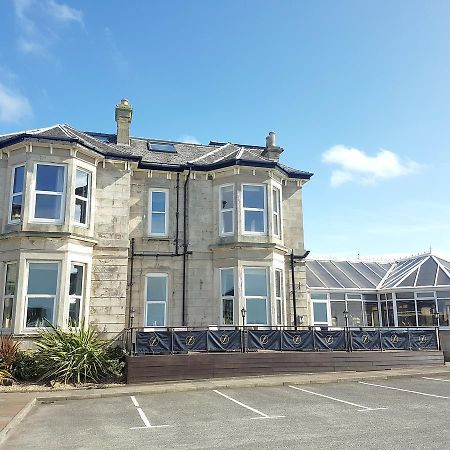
(172, 340)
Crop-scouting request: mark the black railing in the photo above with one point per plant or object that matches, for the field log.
(142, 341)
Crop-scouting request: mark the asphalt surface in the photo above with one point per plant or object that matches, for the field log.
(371, 415)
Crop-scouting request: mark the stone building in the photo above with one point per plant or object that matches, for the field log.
(111, 229)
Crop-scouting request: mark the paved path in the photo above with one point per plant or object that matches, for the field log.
(14, 406)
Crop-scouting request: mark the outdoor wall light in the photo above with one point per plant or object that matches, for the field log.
(300, 319)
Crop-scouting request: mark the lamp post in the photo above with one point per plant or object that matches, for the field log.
(436, 317)
(347, 341)
(132, 315)
(243, 313)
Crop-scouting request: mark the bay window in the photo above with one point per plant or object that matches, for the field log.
(276, 216)
(9, 292)
(156, 299)
(16, 200)
(49, 193)
(254, 208)
(256, 295)
(227, 295)
(40, 301)
(279, 296)
(82, 197)
(226, 210)
(158, 212)
(76, 288)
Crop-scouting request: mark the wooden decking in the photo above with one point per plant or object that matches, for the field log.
(142, 369)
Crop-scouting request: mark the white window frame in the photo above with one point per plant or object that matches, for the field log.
(35, 192)
(12, 194)
(264, 210)
(54, 297)
(276, 215)
(156, 275)
(257, 297)
(227, 297)
(279, 299)
(8, 296)
(223, 210)
(328, 307)
(77, 297)
(166, 212)
(87, 199)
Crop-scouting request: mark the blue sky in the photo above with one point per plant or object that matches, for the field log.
(358, 93)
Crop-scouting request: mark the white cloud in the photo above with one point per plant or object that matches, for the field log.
(117, 57)
(14, 107)
(189, 139)
(38, 21)
(63, 12)
(357, 166)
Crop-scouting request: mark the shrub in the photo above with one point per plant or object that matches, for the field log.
(8, 350)
(76, 355)
(25, 366)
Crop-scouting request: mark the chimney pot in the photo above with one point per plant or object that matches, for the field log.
(271, 151)
(124, 113)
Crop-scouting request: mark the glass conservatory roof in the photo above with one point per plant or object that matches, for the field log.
(418, 271)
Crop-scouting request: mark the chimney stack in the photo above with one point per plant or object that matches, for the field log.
(272, 151)
(124, 113)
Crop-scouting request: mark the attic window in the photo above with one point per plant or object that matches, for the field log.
(155, 147)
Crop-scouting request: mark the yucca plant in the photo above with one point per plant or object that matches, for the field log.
(5, 375)
(76, 355)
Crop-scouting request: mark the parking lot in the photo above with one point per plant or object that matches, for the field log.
(389, 414)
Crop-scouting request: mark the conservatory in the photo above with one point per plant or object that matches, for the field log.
(412, 292)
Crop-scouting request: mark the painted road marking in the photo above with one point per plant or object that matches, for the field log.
(143, 417)
(403, 390)
(363, 408)
(261, 414)
(434, 379)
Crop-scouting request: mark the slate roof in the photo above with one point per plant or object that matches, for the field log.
(414, 272)
(199, 157)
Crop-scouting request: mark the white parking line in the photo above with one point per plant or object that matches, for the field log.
(143, 417)
(403, 390)
(261, 414)
(434, 379)
(363, 408)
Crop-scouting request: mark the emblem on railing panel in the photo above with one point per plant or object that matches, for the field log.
(297, 339)
(264, 339)
(365, 339)
(329, 339)
(153, 341)
(190, 340)
(224, 339)
(423, 339)
(394, 338)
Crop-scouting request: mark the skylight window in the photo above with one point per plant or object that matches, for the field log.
(102, 138)
(156, 147)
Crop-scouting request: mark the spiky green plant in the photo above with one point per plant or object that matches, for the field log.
(77, 355)
(5, 375)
